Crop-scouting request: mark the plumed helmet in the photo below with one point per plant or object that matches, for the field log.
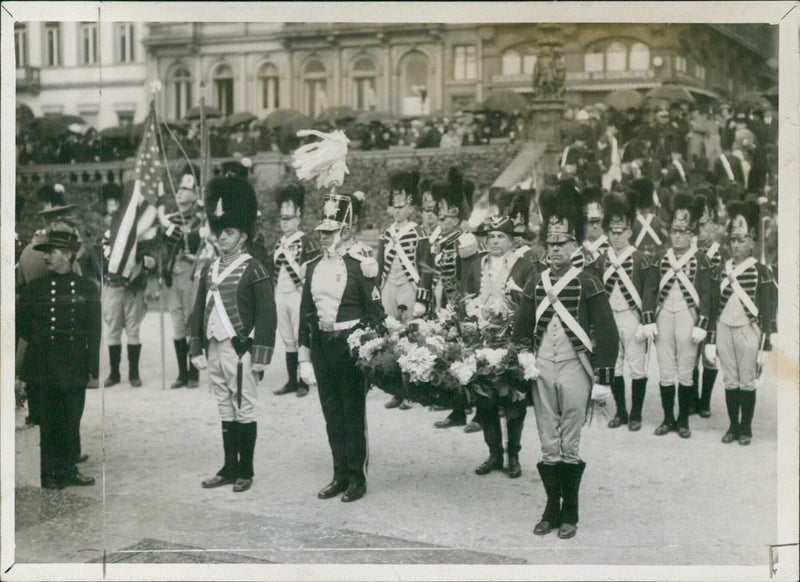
(231, 203)
(642, 190)
(562, 214)
(618, 212)
(403, 188)
(337, 212)
(744, 219)
(290, 200)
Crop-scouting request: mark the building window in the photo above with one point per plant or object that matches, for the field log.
(179, 92)
(88, 40)
(223, 89)
(21, 44)
(364, 83)
(528, 64)
(593, 61)
(125, 42)
(414, 93)
(700, 72)
(269, 86)
(52, 39)
(125, 118)
(640, 57)
(616, 57)
(512, 63)
(316, 98)
(680, 64)
(465, 62)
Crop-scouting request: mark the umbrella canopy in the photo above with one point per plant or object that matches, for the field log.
(368, 117)
(337, 113)
(194, 112)
(240, 117)
(138, 129)
(55, 126)
(117, 131)
(753, 99)
(294, 124)
(280, 116)
(506, 101)
(624, 99)
(671, 93)
(473, 107)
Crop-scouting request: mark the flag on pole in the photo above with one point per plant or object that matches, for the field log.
(139, 207)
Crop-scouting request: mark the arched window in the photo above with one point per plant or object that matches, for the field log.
(640, 57)
(512, 64)
(616, 57)
(414, 90)
(593, 61)
(364, 85)
(179, 92)
(223, 89)
(269, 85)
(528, 64)
(316, 99)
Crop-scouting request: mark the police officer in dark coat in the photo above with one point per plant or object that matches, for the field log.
(59, 325)
(339, 294)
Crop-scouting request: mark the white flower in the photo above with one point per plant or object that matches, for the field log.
(366, 351)
(418, 364)
(393, 325)
(354, 339)
(436, 342)
(464, 370)
(473, 307)
(493, 357)
(528, 362)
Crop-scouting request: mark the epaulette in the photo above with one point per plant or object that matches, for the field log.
(363, 254)
(467, 245)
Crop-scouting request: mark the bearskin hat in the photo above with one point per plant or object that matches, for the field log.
(744, 219)
(357, 205)
(707, 200)
(592, 195)
(516, 204)
(110, 191)
(683, 201)
(617, 208)
(404, 181)
(453, 197)
(51, 194)
(240, 168)
(294, 193)
(231, 203)
(562, 213)
(643, 193)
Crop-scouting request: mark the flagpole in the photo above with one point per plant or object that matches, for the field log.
(155, 89)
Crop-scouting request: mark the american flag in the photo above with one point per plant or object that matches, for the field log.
(138, 210)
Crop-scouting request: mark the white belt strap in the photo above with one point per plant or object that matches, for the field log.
(551, 298)
(616, 265)
(680, 169)
(564, 155)
(213, 293)
(593, 246)
(712, 250)
(646, 229)
(730, 278)
(676, 270)
(284, 249)
(727, 165)
(395, 245)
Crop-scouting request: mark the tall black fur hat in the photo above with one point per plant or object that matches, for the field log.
(240, 168)
(617, 211)
(592, 202)
(231, 203)
(52, 194)
(403, 185)
(562, 213)
(643, 193)
(684, 211)
(744, 219)
(110, 191)
(516, 204)
(294, 193)
(451, 196)
(708, 201)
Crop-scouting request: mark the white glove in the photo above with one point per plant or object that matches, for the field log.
(419, 309)
(149, 262)
(601, 393)
(710, 353)
(163, 220)
(698, 335)
(203, 231)
(649, 332)
(307, 373)
(200, 362)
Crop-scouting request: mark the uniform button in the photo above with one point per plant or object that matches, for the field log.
(53, 309)
(52, 338)
(52, 328)
(52, 291)
(52, 319)
(72, 283)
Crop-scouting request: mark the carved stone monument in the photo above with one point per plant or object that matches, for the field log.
(547, 107)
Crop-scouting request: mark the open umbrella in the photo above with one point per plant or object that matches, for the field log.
(624, 99)
(240, 117)
(50, 127)
(117, 131)
(294, 124)
(337, 113)
(194, 112)
(753, 99)
(671, 93)
(368, 117)
(506, 101)
(138, 129)
(277, 117)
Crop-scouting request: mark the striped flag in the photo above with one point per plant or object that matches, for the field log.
(138, 210)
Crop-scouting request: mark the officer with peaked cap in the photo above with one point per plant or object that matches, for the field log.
(745, 320)
(234, 322)
(59, 325)
(339, 293)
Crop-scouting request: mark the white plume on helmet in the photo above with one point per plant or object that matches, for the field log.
(324, 160)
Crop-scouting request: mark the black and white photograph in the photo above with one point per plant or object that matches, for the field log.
(399, 291)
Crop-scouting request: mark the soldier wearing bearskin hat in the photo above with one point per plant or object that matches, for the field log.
(709, 240)
(289, 258)
(404, 258)
(234, 323)
(745, 320)
(559, 309)
(181, 241)
(595, 242)
(631, 285)
(516, 205)
(339, 293)
(430, 222)
(683, 313)
(648, 232)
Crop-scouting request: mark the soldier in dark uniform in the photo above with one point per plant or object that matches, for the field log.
(648, 232)
(558, 311)
(288, 265)
(337, 296)
(181, 242)
(234, 321)
(58, 319)
(516, 205)
(595, 242)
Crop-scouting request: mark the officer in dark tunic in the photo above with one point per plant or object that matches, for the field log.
(59, 324)
(337, 297)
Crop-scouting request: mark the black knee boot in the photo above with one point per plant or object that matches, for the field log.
(134, 351)
(668, 404)
(227, 474)
(709, 377)
(733, 403)
(638, 389)
(493, 435)
(748, 400)
(192, 376)
(514, 426)
(114, 358)
(618, 390)
(291, 368)
(571, 474)
(685, 395)
(551, 479)
(694, 394)
(181, 353)
(247, 445)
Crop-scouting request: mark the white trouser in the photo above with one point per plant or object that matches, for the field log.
(677, 354)
(287, 304)
(737, 351)
(222, 366)
(631, 352)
